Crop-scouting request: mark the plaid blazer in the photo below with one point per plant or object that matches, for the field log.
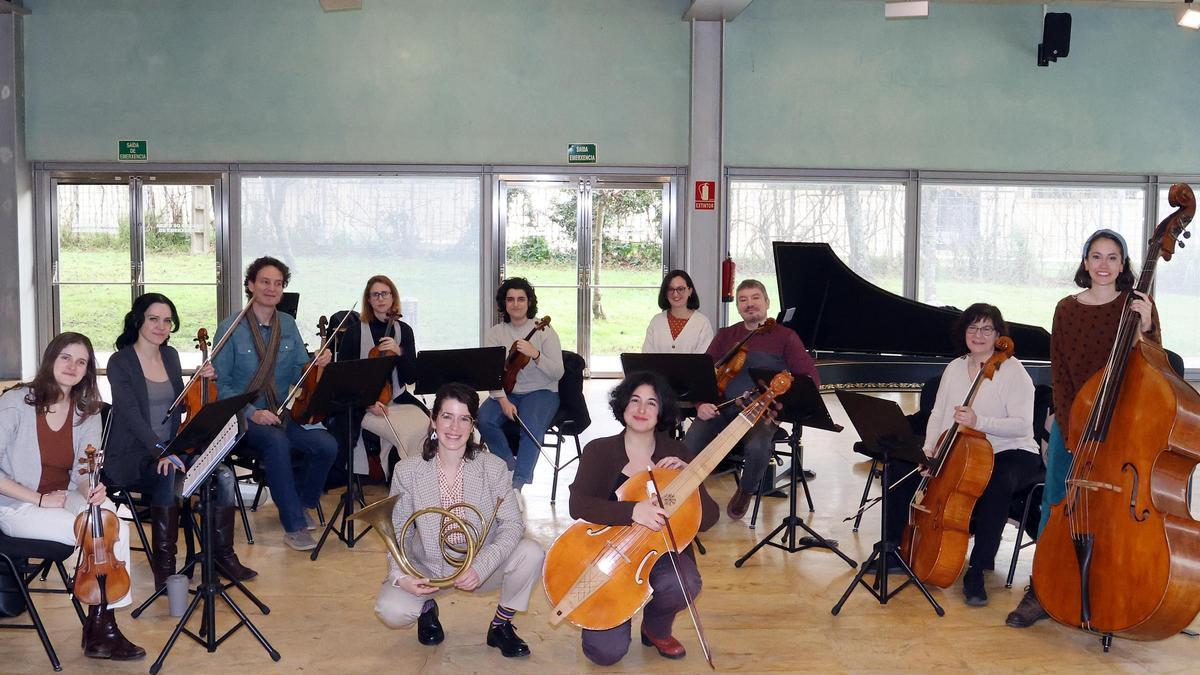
(485, 479)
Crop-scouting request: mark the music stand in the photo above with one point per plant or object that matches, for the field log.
(289, 303)
(347, 385)
(224, 432)
(803, 407)
(480, 368)
(882, 424)
(691, 376)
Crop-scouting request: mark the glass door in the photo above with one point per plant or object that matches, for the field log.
(117, 237)
(593, 247)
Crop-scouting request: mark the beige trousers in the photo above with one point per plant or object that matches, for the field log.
(411, 425)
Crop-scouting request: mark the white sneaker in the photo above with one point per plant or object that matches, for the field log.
(300, 541)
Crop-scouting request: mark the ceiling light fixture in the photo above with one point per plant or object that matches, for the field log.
(1188, 16)
(906, 9)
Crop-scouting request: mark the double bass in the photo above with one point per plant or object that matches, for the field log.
(939, 517)
(515, 361)
(729, 365)
(99, 575)
(597, 576)
(1120, 554)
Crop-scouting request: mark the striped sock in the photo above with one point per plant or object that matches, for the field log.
(503, 615)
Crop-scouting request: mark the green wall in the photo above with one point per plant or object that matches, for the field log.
(399, 81)
(818, 83)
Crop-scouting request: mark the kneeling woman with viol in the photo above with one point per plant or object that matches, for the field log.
(451, 471)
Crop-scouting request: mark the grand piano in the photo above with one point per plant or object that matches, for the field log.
(866, 338)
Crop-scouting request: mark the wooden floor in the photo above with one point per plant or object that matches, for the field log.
(771, 615)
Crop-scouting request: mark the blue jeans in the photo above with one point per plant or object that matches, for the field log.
(537, 410)
(1058, 465)
(293, 487)
(163, 490)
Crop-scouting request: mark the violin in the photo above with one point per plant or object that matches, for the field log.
(99, 574)
(597, 576)
(939, 517)
(734, 360)
(205, 392)
(302, 392)
(1120, 554)
(212, 393)
(516, 360)
(386, 394)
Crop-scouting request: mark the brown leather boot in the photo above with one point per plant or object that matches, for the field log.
(103, 640)
(223, 553)
(164, 534)
(738, 504)
(1028, 612)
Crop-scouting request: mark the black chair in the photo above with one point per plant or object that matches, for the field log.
(571, 419)
(1029, 501)
(14, 555)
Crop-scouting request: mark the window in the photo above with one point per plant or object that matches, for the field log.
(1177, 292)
(1015, 246)
(337, 231)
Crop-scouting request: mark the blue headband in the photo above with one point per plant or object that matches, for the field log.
(1111, 235)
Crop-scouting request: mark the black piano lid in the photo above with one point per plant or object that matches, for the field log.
(838, 311)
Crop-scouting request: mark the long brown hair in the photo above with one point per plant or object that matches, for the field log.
(44, 390)
(367, 313)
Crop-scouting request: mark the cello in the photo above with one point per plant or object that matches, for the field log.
(516, 360)
(99, 575)
(939, 517)
(729, 365)
(1120, 554)
(597, 576)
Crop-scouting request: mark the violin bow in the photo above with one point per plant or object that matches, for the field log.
(669, 537)
(212, 354)
(295, 388)
(536, 441)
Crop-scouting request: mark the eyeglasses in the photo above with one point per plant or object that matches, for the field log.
(380, 295)
(677, 289)
(985, 331)
(452, 420)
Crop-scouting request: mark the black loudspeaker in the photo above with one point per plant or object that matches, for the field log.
(1056, 38)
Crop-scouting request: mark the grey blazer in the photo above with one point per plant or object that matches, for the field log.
(131, 437)
(20, 458)
(485, 479)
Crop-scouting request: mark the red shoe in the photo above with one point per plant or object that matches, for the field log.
(667, 647)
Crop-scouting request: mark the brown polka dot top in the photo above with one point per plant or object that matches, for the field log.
(1080, 342)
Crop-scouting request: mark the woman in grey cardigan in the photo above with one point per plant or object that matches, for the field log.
(146, 378)
(45, 427)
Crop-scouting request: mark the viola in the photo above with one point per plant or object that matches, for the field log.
(205, 391)
(734, 360)
(195, 381)
(597, 576)
(1120, 554)
(99, 575)
(939, 517)
(303, 391)
(386, 394)
(516, 360)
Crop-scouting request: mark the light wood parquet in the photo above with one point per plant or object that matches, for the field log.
(771, 615)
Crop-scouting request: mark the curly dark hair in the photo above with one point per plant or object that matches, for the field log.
(693, 299)
(977, 312)
(668, 404)
(136, 316)
(520, 284)
(256, 267)
(454, 391)
(1125, 280)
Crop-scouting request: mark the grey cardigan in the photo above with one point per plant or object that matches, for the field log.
(20, 458)
(131, 439)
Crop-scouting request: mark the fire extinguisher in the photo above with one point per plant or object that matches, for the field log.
(728, 270)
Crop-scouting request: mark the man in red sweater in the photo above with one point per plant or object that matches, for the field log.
(778, 349)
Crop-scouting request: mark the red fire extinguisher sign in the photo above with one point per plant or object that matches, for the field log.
(706, 195)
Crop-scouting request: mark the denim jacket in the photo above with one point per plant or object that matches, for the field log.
(237, 360)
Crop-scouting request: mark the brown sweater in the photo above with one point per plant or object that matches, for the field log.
(593, 495)
(1080, 342)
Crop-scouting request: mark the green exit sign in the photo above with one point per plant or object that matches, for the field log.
(132, 151)
(581, 153)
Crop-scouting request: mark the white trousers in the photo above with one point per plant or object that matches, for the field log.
(30, 521)
(411, 425)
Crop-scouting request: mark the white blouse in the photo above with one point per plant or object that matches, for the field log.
(1003, 405)
(693, 339)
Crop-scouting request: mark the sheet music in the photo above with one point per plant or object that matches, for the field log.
(213, 454)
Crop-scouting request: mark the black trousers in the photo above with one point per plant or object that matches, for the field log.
(1013, 471)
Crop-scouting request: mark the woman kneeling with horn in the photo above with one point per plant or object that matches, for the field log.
(454, 469)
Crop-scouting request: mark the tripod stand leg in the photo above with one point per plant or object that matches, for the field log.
(162, 656)
(242, 587)
(330, 527)
(262, 640)
(858, 579)
(762, 542)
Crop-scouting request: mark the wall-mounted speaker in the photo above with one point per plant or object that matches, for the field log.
(1056, 38)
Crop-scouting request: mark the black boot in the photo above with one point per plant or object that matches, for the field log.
(223, 553)
(164, 534)
(103, 640)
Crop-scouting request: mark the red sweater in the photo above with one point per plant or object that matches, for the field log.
(781, 340)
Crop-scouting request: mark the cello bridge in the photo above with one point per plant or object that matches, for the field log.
(1094, 485)
(608, 544)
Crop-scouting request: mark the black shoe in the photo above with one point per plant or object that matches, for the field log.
(809, 474)
(973, 591)
(429, 629)
(1028, 612)
(505, 637)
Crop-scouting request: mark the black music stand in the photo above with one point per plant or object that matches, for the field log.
(882, 425)
(347, 385)
(289, 303)
(480, 368)
(692, 376)
(803, 407)
(223, 433)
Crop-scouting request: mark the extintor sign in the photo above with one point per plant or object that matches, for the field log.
(706, 195)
